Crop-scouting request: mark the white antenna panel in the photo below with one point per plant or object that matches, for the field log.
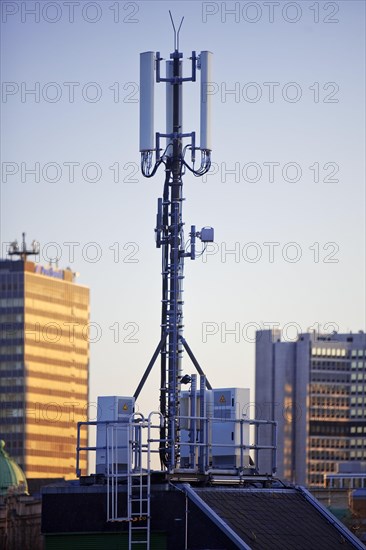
(147, 80)
(206, 98)
(169, 102)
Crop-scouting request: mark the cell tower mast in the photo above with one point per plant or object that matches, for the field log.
(169, 225)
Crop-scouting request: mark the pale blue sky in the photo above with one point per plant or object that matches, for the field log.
(105, 132)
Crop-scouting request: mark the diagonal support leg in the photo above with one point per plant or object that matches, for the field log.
(194, 361)
(150, 366)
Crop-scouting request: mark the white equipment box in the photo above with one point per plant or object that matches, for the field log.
(117, 411)
(228, 407)
(224, 409)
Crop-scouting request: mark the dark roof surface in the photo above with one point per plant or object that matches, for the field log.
(274, 519)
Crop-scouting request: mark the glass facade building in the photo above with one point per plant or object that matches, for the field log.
(44, 366)
(315, 388)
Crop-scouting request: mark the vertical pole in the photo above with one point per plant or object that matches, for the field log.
(164, 316)
(203, 426)
(274, 452)
(78, 472)
(193, 422)
(165, 328)
(241, 444)
(175, 312)
(186, 529)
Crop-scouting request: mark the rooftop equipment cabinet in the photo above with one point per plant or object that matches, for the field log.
(111, 410)
(192, 429)
(222, 431)
(229, 404)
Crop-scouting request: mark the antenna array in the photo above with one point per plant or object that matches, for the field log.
(169, 225)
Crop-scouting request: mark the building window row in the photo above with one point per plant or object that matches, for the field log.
(358, 365)
(329, 352)
(317, 413)
(10, 365)
(358, 376)
(330, 377)
(328, 442)
(63, 316)
(7, 382)
(358, 388)
(330, 365)
(358, 353)
(329, 389)
(328, 455)
(360, 400)
(14, 413)
(11, 302)
(316, 480)
(326, 402)
(44, 297)
(11, 444)
(57, 347)
(11, 318)
(357, 455)
(15, 396)
(10, 350)
(358, 429)
(322, 466)
(12, 333)
(358, 413)
(332, 429)
(360, 442)
(11, 429)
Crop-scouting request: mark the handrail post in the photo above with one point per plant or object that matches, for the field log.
(78, 472)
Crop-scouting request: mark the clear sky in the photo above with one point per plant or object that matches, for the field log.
(287, 192)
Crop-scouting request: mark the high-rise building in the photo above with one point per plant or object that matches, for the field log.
(315, 388)
(44, 366)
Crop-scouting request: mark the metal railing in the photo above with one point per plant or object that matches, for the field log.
(199, 453)
(207, 449)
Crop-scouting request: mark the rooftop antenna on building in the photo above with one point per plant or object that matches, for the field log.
(169, 219)
(22, 251)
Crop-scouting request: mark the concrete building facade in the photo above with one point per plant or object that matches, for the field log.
(44, 366)
(315, 388)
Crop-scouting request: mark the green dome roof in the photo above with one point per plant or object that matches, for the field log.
(12, 478)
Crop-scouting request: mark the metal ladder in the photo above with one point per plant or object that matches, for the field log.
(135, 440)
(138, 487)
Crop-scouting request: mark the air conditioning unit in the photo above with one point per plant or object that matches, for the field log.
(114, 413)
